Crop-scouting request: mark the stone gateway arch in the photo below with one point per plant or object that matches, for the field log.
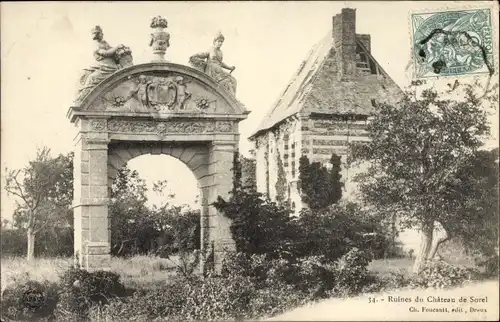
(152, 108)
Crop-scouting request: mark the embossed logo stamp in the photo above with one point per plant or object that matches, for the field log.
(33, 299)
(452, 43)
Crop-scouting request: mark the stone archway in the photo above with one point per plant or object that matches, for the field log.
(154, 108)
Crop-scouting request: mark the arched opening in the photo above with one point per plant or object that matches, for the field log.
(185, 162)
(180, 179)
(111, 134)
(155, 209)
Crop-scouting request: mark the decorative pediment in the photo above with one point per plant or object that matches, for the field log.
(160, 89)
(160, 93)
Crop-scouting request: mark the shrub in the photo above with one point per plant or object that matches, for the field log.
(219, 298)
(81, 290)
(13, 242)
(265, 271)
(392, 281)
(212, 298)
(29, 301)
(165, 300)
(281, 271)
(242, 264)
(315, 277)
(272, 301)
(310, 277)
(490, 265)
(56, 241)
(351, 273)
(188, 262)
(332, 232)
(258, 226)
(440, 274)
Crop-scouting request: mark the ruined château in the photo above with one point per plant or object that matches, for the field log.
(326, 104)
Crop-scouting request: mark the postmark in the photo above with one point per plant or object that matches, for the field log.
(452, 43)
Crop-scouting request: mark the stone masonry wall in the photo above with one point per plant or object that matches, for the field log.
(317, 138)
(322, 137)
(96, 163)
(90, 201)
(284, 143)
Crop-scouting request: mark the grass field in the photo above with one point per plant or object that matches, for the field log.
(150, 273)
(404, 265)
(138, 270)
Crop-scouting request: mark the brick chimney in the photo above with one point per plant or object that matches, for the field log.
(366, 40)
(344, 40)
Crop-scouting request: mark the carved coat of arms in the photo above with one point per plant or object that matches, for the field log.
(167, 93)
(162, 94)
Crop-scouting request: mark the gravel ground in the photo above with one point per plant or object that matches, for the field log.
(396, 306)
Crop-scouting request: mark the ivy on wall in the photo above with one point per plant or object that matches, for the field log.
(320, 186)
(281, 184)
(266, 157)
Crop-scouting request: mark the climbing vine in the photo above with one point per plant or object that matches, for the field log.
(266, 157)
(281, 188)
(237, 173)
(320, 187)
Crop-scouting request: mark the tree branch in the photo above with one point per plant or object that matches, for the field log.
(19, 188)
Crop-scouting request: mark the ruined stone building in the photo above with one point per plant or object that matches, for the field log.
(326, 104)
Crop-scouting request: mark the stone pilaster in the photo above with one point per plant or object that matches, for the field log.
(220, 170)
(90, 203)
(204, 228)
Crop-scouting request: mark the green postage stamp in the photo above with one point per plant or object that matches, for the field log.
(452, 43)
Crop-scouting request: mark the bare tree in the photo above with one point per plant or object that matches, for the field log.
(40, 193)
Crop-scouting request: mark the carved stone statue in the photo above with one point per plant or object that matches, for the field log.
(160, 39)
(211, 63)
(108, 60)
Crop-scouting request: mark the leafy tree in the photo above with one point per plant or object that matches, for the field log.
(44, 193)
(13, 242)
(128, 212)
(258, 226)
(474, 196)
(248, 169)
(320, 186)
(138, 229)
(179, 228)
(416, 153)
(332, 232)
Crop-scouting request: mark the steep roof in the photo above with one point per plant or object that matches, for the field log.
(316, 87)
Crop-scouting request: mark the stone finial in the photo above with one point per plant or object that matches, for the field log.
(160, 39)
(96, 29)
(219, 36)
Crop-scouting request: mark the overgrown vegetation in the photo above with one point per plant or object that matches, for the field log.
(425, 165)
(320, 187)
(43, 193)
(281, 261)
(261, 226)
(137, 229)
(249, 287)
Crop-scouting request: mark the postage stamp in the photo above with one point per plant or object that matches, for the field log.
(452, 43)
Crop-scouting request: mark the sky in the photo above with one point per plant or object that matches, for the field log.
(45, 45)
